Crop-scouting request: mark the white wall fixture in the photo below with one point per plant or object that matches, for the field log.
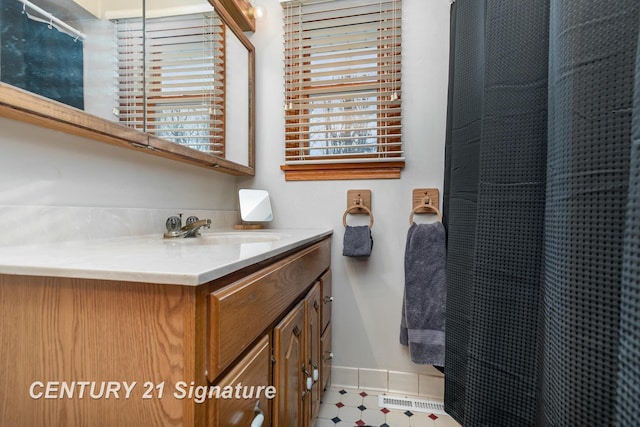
(255, 206)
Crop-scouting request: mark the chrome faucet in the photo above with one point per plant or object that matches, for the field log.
(190, 229)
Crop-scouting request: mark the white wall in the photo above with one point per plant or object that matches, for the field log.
(368, 294)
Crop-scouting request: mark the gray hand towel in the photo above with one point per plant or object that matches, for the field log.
(422, 326)
(357, 241)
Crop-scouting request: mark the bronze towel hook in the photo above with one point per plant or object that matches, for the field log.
(358, 205)
(426, 204)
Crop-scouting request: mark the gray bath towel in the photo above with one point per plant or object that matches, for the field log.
(422, 326)
(357, 241)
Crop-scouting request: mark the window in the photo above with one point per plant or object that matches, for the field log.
(342, 89)
(184, 83)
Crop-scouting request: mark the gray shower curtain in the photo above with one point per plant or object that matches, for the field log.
(40, 59)
(542, 205)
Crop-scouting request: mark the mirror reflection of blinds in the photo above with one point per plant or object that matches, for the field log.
(183, 92)
(342, 81)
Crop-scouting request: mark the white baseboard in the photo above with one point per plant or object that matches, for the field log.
(429, 385)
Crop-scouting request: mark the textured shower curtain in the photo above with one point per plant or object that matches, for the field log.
(542, 208)
(40, 59)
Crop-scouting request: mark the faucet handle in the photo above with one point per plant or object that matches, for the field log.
(174, 223)
(191, 220)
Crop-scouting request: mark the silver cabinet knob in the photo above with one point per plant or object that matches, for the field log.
(258, 420)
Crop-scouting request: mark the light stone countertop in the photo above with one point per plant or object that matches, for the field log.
(152, 258)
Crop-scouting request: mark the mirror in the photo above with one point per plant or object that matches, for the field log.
(255, 205)
(184, 89)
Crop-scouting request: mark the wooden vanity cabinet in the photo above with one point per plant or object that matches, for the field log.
(285, 301)
(163, 341)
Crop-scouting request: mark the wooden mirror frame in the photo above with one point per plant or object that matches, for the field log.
(24, 106)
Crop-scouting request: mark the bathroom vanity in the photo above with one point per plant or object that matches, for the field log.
(225, 329)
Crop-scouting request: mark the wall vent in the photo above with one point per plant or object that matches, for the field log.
(411, 404)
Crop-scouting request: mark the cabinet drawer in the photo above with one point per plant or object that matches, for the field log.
(240, 312)
(253, 373)
(327, 298)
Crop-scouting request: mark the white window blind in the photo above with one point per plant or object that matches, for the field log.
(342, 81)
(182, 97)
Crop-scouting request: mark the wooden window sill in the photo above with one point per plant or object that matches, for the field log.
(339, 171)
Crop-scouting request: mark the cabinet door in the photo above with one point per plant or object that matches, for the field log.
(253, 373)
(288, 339)
(313, 314)
(327, 298)
(327, 356)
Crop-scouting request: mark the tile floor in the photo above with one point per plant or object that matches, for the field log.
(345, 407)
